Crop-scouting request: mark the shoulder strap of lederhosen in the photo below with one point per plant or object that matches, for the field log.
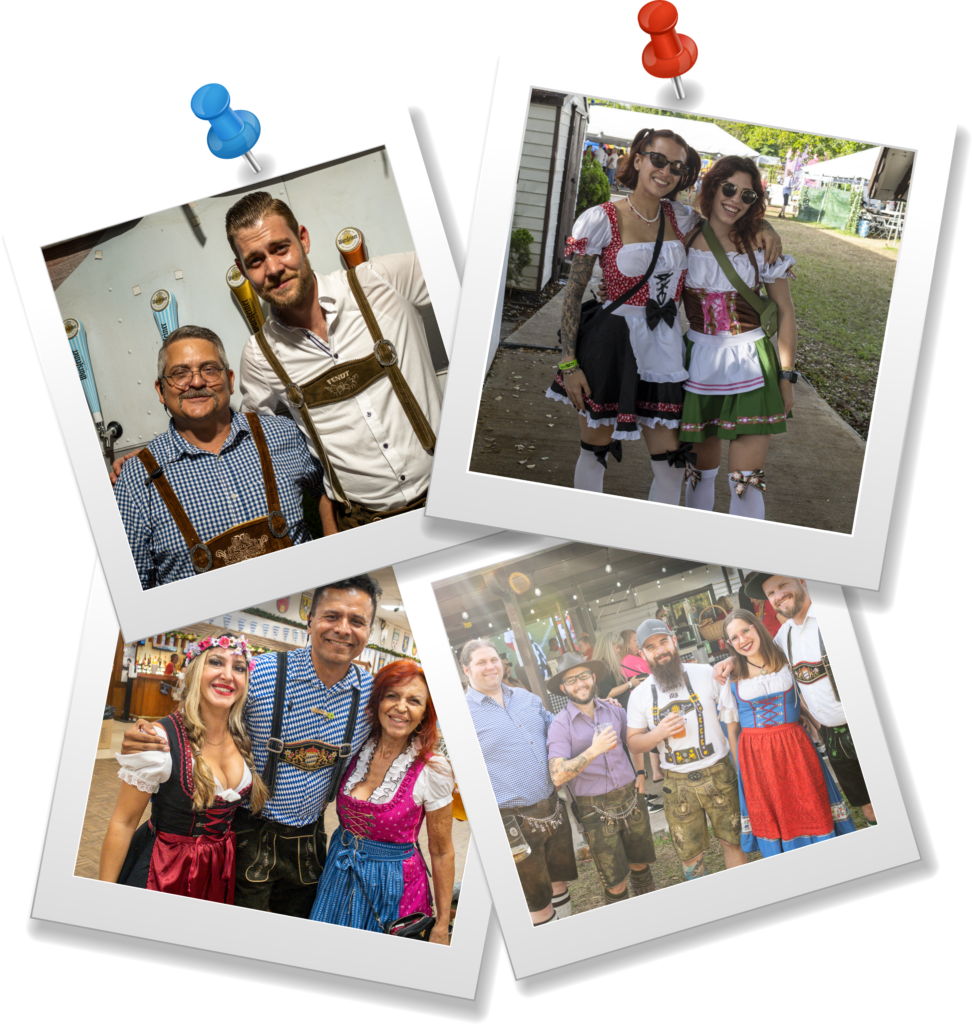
(345, 753)
(388, 357)
(296, 398)
(826, 664)
(269, 477)
(156, 476)
(275, 742)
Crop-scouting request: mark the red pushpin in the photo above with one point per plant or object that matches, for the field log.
(669, 54)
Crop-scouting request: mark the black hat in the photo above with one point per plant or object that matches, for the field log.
(571, 660)
(753, 585)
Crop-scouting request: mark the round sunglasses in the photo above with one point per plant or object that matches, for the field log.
(748, 195)
(659, 160)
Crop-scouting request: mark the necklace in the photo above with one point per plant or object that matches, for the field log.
(627, 199)
(209, 743)
(763, 669)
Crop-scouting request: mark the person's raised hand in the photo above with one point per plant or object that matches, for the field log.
(604, 741)
(722, 670)
(670, 725)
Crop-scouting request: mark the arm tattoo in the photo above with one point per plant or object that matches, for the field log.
(568, 769)
(581, 269)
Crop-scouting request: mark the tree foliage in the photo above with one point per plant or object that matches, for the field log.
(520, 256)
(768, 141)
(593, 188)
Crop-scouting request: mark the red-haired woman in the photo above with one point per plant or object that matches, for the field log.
(374, 873)
(624, 374)
(737, 390)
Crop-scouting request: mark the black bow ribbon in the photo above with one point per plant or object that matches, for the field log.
(682, 456)
(655, 313)
(602, 451)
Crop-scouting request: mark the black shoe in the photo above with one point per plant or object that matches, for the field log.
(654, 806)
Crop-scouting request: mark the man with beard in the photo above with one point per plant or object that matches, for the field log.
(675, 709)
(369, 408)
(511, 726)
(217, 487)
(317, 698)
(800, 640)
(609, 803)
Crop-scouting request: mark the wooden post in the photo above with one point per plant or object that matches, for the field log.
(525, 644)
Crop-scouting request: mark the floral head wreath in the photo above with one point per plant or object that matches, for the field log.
(233, 643)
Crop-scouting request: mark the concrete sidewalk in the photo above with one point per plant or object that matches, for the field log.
(813, 471)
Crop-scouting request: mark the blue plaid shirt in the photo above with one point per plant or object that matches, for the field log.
(218, 492)
(298, 796)
(513, 740)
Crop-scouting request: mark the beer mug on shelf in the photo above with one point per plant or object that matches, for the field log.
(519, 847)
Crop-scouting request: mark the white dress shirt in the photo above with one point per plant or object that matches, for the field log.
(368, 438)
(818, 695)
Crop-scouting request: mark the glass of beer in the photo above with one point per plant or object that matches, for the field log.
(679, 734)
(519, 847)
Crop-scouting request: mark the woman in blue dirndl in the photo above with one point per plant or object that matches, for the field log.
(787, 797)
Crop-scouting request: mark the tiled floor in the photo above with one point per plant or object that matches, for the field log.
(104, 792)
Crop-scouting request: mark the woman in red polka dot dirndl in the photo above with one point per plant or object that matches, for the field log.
(624, 372)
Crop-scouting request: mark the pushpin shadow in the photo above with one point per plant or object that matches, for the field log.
(694, 95)
(268, 170)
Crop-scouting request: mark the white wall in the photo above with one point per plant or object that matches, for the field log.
(123, 338)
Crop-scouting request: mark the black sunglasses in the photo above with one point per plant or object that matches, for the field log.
(748, 195)
(659, 160)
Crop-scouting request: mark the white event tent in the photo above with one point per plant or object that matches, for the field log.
(618, 127)
(853, 167)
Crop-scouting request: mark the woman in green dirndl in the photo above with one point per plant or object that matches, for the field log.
(738, 389)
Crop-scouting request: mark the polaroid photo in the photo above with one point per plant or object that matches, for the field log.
(559, 653)
(263, 414)
(176, 681)
(736, 458)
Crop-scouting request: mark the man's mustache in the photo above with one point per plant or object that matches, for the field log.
(198, 393)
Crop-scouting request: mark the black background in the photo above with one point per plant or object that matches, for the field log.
(128, 121)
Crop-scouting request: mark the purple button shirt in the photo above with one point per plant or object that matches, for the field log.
(572, 732)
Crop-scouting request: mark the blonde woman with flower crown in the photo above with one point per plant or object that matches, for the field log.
(188, 847)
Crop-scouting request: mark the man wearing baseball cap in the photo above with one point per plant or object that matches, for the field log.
(608, 799)
(676, 710)
(800, 640)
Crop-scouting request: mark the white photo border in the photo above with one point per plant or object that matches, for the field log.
(854, 559)
(63, 897)
(167, 184)
(677, 907)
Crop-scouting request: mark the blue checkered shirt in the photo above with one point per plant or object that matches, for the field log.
(513, 740)
(298, 796)
(218, 491)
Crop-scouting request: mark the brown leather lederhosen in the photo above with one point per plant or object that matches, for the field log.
(746, 316)
(342, 382)
(247, 540)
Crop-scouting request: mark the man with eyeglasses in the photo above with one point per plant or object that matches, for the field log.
(217, 487)
(608, 801)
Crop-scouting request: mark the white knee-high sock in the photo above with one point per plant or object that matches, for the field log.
(588, 473)
(750, 504)
(666, 483)
(702, 495)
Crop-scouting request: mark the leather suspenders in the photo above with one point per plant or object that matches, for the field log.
(824, 660)
(346, 380)
(275, 744)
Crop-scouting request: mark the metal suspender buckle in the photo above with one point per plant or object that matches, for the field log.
(277, 515)
(379, 351)
(344, 751)
(295, 395)
(274, 746)
(209, 557)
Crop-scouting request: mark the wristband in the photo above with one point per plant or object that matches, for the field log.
(791, 375)
(571, 364)
(640, 771)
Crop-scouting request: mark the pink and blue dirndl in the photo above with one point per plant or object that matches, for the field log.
(373, 856)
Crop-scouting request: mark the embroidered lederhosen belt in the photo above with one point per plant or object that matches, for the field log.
(246, 540)
(342, 382)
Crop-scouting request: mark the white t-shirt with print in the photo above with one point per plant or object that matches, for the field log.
(704, 742)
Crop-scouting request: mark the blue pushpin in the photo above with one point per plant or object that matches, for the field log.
(232, 133)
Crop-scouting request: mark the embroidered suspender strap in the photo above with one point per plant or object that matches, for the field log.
(275, 743)
(296, 398)
(767, 309)
(345, 754)
(269, 477)
(388, 357)
(199, 553)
